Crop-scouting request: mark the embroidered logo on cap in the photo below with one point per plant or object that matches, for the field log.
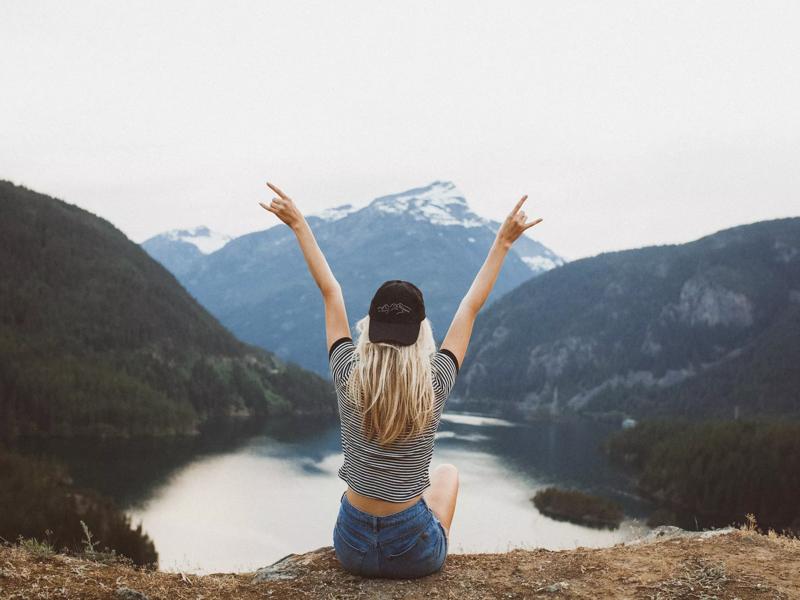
(396, 308)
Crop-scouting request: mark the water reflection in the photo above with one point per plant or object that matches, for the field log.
(245, 494)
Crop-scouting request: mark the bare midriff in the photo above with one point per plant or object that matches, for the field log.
(377, 507)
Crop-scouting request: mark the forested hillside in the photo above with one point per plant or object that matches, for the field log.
(38, 500)
(712, 473)
(97, 337)
(708, 328)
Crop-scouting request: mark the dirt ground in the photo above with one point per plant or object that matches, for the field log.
(736, 564)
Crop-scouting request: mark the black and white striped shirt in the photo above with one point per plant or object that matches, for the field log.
(398, 471)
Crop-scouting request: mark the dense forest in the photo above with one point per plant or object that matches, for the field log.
(38, 501)
(96, 337)
(703, 329)
(714, 473)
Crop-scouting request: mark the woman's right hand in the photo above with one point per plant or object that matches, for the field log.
(514, 225)
(284, 208)
(457, 338)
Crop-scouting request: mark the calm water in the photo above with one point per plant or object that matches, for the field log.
(249, 494)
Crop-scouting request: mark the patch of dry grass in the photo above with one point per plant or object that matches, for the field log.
(742, 563)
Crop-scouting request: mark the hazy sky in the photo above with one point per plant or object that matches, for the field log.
(626, 123)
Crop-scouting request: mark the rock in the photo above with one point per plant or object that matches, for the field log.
(290, 566)
(665, 531)
(671, 532)
(125, 593)
(704, 535)
(706, 302)
(554, 587)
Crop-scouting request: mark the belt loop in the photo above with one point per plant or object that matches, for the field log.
(375, 524)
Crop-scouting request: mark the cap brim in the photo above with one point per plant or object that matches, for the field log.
(403, 334)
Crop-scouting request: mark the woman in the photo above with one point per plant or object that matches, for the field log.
(391, 386)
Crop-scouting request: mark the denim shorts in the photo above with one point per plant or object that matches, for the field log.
(404, 545)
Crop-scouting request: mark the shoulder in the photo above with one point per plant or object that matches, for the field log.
(340, 347)
(340, 358)
(445, 359)
(444, 367)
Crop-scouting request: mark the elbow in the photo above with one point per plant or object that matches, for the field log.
(331, 290)
(470, 308)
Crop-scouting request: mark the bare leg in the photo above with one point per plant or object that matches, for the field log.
(441, 495)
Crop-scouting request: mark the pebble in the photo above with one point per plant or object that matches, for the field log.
(126, 593)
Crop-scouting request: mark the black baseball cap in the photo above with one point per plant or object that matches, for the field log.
(395, 313)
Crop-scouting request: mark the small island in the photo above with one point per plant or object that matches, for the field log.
(578, 507)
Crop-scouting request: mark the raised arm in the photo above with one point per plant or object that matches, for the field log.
(336, 325)
(457, 338)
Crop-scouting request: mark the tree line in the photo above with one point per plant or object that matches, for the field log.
(714, 473)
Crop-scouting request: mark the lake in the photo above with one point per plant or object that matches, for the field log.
(249, 493)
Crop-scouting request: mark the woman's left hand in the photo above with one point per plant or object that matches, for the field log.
(284, 208)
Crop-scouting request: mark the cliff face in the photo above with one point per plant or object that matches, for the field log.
(702, 329)
(669, 563)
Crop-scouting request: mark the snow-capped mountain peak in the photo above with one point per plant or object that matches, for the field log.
(203, 238)
(440, 203)
(426, 234)
(336, 212)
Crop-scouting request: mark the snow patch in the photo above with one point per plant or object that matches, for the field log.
(206, 240)
(336, 212)
(440, 203)
(540, 263)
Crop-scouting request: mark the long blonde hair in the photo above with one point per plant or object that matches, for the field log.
(392, 386)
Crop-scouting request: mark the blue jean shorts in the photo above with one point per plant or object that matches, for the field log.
(407, 544)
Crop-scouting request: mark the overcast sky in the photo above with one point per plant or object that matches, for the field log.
(626, 123)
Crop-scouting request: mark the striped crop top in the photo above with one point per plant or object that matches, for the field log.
(398, 471)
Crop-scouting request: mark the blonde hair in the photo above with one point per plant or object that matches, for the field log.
(392, 386)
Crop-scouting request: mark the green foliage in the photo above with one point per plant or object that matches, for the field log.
(37, 548)
(578, 507)
(717, 472)
(98, 338)
(88, 544)
(37, 499)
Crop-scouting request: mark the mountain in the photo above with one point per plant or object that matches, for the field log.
(97, 337)
(180, 248)
(258, 285)
(708, 328)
